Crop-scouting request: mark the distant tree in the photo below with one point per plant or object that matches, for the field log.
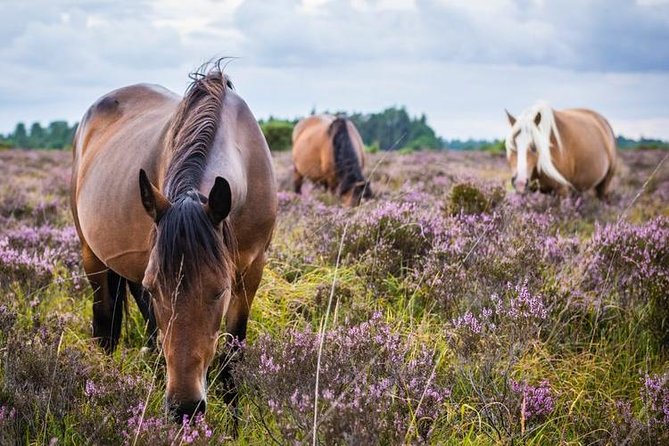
(20, 136)
(57, 135)
(37, 135)
(393, 129)
(59, 132)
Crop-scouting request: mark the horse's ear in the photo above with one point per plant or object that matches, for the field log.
(537, 119)
(153, 200)
(511, 119)
(220, 201)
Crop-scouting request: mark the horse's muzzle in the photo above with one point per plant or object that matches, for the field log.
(189, 409)
(519, 186)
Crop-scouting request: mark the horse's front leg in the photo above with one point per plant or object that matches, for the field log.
(143, 300)
(235, 330)
(108, 300)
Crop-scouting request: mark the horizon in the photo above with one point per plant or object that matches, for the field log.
(445, 140)
(461, 63)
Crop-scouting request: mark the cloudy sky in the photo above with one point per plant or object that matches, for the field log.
(461, 62)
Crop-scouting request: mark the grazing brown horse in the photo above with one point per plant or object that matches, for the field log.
(563, 150)
(191, 242)
(329, 151)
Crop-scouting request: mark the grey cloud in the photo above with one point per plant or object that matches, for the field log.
(600, 35)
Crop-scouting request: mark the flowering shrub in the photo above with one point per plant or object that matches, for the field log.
(29, 255)
(512, 319)
(373, 386)
(629, 259)
(8, 432)
(468, 198)
(142, 429)
(632, 262)
(44, 380)
(535, 403)
(650, 425)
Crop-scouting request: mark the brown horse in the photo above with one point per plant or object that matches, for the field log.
(191, 246)
(563, 150)
(329, 151)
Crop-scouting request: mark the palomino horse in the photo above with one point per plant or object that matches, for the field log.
(329, 151)
(191, 245)
(566, 149)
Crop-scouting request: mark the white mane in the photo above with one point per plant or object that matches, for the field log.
(541, 136)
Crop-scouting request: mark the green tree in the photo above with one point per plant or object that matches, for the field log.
(20, 136)
(393, 129)
(59, 135)
(37, 136)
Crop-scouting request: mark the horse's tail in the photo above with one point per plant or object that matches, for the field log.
(347, 164)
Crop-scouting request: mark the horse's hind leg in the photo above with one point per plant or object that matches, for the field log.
(144, 303)
(108, 300)
(602, 188)
(298, 179)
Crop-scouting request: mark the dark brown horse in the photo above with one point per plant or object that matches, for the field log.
(190, 243)
(329, 151)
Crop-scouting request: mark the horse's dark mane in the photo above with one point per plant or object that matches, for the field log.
(186, 239)
(347, 165)
(193, 129)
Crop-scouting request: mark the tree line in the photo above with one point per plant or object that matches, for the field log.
(390, 129)
(57, 135)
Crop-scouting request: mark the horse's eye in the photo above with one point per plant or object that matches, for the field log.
(221, 293)
(533, 148)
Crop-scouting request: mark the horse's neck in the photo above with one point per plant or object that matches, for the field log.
(560, 153)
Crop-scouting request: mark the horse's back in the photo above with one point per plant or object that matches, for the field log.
(589, 145)
(311, 122)
(121, 133)
(312, 148)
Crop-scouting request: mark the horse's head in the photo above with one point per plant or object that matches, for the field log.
(189, 279)
(354, 195)
(521, 149)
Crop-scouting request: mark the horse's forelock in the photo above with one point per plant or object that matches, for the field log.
(186, 240)
(541, 136)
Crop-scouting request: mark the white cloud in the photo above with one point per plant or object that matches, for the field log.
(459, 61)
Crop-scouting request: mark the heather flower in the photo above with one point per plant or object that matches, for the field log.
(651, 423)
(512, 320)
(655, 397)
(371, 383)
(629, 259)
(8, 432)
(143, 429)
(536, 402)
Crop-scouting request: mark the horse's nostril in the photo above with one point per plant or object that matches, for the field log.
(190, 410)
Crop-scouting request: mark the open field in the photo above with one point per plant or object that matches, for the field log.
(456, 312)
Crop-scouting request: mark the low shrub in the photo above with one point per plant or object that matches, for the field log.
(374, 386)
